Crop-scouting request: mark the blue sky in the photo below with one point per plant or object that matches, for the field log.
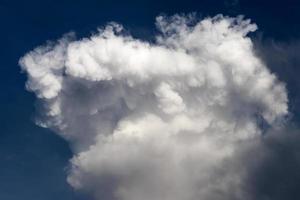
(33, 160)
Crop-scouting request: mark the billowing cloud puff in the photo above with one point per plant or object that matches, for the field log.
(157, 120)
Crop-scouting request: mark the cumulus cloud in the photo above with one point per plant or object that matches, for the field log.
(164, 120)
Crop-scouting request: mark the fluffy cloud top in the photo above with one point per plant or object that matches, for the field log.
(157, 121)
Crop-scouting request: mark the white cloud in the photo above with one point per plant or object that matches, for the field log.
(157, 121)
